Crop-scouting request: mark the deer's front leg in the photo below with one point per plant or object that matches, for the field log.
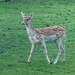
(45, 50)
(32, 49)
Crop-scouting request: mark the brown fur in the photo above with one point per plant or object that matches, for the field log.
(53, 30)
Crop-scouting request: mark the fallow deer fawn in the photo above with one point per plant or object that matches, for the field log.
(43, 35)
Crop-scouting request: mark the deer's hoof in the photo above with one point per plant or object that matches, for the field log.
(51, 62)
(28, 60)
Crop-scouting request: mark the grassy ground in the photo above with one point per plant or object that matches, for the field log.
(15, 45)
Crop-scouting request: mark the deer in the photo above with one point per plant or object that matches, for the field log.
(56, 34)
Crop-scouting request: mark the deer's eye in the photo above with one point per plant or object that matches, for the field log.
(27, 19)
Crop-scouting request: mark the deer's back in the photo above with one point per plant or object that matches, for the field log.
(53, 30)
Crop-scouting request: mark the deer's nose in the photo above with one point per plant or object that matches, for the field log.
(22, 23)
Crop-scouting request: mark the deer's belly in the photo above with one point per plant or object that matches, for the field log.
(50, 38)
(39, 39)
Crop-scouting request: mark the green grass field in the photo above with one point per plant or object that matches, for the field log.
(15, 45)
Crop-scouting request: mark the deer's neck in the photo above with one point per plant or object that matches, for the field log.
(30, 29)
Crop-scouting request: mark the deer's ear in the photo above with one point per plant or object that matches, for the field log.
(31, 15)
(22, 14)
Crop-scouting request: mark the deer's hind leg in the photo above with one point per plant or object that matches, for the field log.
(58, 43)
(63, 51)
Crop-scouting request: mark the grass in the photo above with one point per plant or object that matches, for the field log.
(15, 45)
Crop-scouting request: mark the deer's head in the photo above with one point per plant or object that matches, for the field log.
(26, 19)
